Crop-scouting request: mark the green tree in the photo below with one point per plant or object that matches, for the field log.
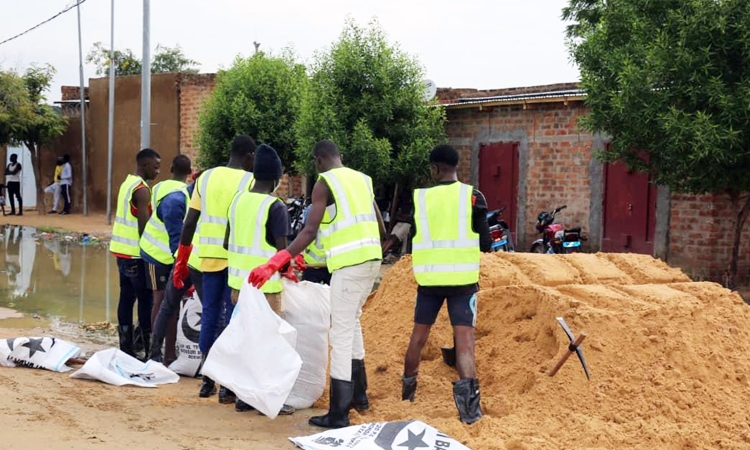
(164, 60)
(366, 95)
(25, 119)
(259, 96)
(669, 80)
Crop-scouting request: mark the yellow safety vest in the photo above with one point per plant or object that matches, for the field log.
(349, 232)
(315, 255)
(125, 237)
(248, 248)
(445, 248)
(195, 260)
(217, 187)
(155, 238)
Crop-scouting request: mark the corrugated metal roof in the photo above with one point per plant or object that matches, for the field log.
(517, 98)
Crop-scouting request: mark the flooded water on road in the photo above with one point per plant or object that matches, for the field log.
(55, 281)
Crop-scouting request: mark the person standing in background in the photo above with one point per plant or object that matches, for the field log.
(66, 180)
(13, 182)
(54, 187)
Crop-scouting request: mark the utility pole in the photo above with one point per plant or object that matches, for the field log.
(83, 114)
(146, 78)
(256, 44)
(111, 119)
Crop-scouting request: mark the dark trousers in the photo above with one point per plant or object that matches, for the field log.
(14, 193)
(133, 287)
(65, 194)
(170, 306)
(217, 307)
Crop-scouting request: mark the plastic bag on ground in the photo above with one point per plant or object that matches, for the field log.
(307, 307)
(38, 353)
(114, 367)
(379, 436)
(189, 356)
(254, 356)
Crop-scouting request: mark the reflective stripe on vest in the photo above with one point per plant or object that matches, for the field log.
(352, 235)
(155, 239)
(248, 249)
(445, 249)
(125, 237)
(314, 254)
(217, 188)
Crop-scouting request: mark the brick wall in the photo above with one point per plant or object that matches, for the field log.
(194, 90)
(556, 155)
(701, 230)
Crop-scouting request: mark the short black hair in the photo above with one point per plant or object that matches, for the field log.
(66, 157)
(181, 165)
(326, 149)
(242, 146)
(444, 154)
(145, 154)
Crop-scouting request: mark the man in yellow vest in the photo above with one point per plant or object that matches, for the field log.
(161, 238)
(209, 203)
(170, 306)
(346, 220)
(132, 214)
(315, 270)
(258, 227)
(451, 229)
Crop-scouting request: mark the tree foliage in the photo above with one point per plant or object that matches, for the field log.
(259, 96)
(669, 80)
(164, 60)
(366, 95)
(25, 119)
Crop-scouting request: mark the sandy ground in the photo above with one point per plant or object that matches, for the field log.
(94, 223)
(47, 410)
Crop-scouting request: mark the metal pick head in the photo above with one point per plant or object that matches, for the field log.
(565, 328)
(578, 350)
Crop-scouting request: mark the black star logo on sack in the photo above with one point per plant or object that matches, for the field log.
(414, 441)
(192, 333)
(34, 345)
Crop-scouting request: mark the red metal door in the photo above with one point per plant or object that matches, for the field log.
(498, 178)
(629, 211)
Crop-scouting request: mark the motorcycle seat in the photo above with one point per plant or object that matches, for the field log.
(573, 230)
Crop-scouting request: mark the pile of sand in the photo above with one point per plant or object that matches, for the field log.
(669, 358)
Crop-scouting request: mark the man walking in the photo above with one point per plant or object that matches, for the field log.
(66, 181)
(54, 187)
(451, 228)
(258, 227)
(161, 237)
(133, 212)
(13, 182)
(209, 203)
(347, 221)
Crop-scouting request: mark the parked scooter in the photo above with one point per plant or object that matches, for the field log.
(555, 237)
(502, 240)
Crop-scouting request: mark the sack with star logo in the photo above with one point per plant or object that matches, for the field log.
(38, 353)
(189, 357)
(409, 435)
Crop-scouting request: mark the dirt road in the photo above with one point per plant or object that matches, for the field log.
(94, 223)
(45, 410)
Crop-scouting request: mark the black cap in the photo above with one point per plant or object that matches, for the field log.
(267, 165)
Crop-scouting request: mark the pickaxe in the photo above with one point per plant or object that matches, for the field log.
(574, 346)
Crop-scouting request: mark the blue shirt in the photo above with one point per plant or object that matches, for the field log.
(171, 210)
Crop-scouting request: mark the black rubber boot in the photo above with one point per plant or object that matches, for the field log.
(146, 339)
(226, 396)
(137, 340)
(359, 380)
(408, 388)
(125, 332)
(156, 354)
(338, 411)
(466, 395)
(208, 388)
(241, 406)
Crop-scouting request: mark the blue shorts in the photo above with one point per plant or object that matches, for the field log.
(462, 309)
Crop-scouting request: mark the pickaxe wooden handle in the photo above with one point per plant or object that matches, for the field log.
(571, 349)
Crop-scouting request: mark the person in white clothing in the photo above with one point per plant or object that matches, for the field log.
(66, 180)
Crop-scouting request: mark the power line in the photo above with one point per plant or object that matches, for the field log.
(42, 23)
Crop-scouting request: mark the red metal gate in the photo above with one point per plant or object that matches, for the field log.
(498, 178)
(629, 211)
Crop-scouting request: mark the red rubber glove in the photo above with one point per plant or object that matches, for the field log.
(299, 261)
(180, 271)
(190, 292)
(289, 274)
(261, 274)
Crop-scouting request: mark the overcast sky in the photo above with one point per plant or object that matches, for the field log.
(470, 44)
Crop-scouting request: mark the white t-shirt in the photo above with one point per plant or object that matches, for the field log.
(66, 176)
(16, 177)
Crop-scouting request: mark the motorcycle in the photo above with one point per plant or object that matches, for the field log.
(500, 232)
(555, 237)
(295, 206)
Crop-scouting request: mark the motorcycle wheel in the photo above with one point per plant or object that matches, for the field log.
(537, 248)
